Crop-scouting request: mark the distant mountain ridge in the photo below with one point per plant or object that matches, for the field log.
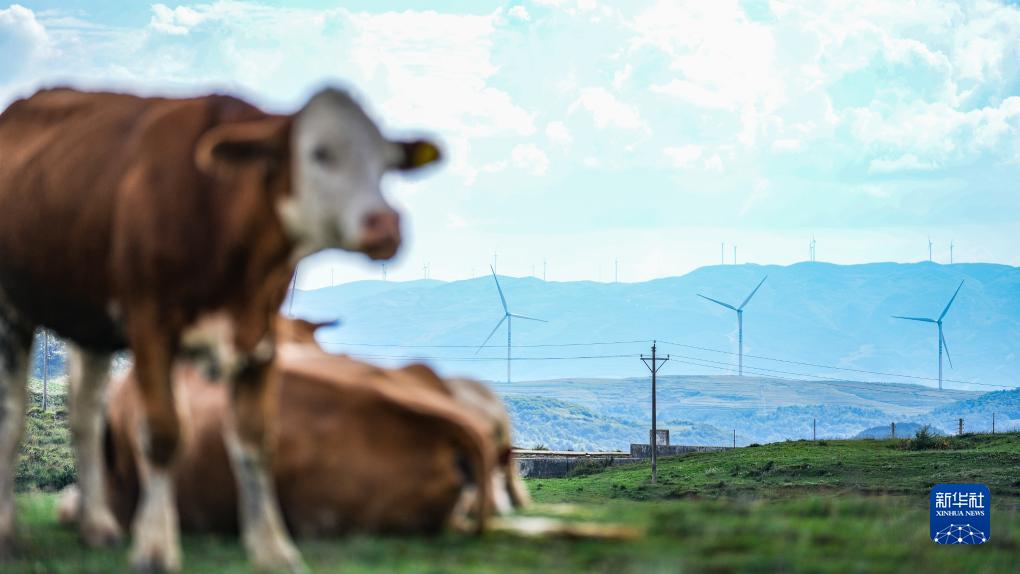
(609, 414)
(816, 313)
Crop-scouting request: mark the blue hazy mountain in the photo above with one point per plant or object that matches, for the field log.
(818, 313)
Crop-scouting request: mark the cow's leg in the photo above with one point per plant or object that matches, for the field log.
(156, 538)
(15, 344)
(248, 440)
(89, 375)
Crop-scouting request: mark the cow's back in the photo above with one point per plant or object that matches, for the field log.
(67, 197)
(347, 460)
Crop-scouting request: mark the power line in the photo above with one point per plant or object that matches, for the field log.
(399, 346)
(483, 359)
(835, 368)
(760, 370)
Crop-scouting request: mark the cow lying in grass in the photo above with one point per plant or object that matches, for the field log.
(172, 227)
(359, 448)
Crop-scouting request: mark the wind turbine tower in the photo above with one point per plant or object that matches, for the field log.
(740, 323)
(938, 322)
(812, 250)
(951, 246)
(929, 248)
(508, 317)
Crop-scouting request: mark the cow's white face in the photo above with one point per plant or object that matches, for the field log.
(338, 158)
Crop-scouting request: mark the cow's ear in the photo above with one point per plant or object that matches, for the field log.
(414, 154)
(237, 143)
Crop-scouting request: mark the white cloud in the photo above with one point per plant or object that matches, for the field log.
(177, 21)
(906, 162)
(760, 191)
(23, 40)
(570, 6)
(683, 156)
(519, 12)
(607, 110)
(557, 133)
(530, 158)
(620, 77)
(714, 164)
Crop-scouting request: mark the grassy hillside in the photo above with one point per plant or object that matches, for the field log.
(874, 467)
(853, 506)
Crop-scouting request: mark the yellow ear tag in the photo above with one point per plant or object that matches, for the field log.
(424, 153)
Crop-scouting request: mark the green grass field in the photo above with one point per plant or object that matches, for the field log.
(827, 506)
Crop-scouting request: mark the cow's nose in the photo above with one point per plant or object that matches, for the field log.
(380, 233)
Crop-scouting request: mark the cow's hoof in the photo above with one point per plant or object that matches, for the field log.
(156, 560)
(100, 529)
(154, 554)
(277, 555)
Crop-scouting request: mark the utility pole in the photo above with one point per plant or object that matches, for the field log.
(893, 434)
(734, 438)
(961, 427)
(993, 423)
(814, 429)
(654, 363)
(45, 369)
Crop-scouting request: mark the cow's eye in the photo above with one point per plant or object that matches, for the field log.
(323, 155)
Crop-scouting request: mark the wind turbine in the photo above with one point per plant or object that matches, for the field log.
(507, 316)
(740, 323)
(942, 338)
(929, 248)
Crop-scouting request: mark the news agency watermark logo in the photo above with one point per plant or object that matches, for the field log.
(960, 514)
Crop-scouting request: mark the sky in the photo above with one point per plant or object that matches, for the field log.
(586, 137)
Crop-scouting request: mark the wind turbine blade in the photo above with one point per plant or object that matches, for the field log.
(945, 346)
(922, 319)
(528, 318)
(753, 292)
(717, 302)
(490, 334)
(950, 303)
(502, 299)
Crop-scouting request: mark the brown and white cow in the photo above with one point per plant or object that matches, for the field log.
(431, 453)
(172, 227)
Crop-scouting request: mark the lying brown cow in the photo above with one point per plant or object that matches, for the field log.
(427, 449)
(172, 227)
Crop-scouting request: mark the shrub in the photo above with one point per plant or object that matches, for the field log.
(590, 466)
(926, 439)
(46, 461)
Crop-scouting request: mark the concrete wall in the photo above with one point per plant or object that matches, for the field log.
(642, 451)
(559, 466)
